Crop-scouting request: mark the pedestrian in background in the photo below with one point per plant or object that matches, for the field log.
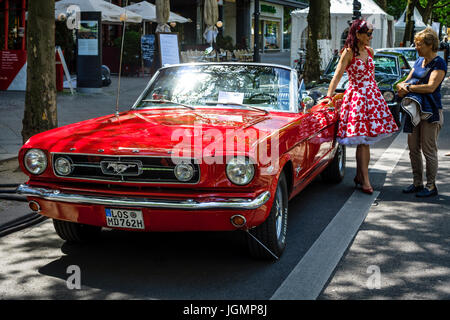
(430, 69)
(446, 47)
(364, 117)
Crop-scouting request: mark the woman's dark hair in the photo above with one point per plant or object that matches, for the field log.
(358, 26)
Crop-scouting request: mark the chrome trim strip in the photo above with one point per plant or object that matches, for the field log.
(188, 204)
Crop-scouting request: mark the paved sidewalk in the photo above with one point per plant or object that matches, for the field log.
(402, 250)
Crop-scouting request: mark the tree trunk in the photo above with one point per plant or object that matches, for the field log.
(426, 11)
(382, 4)
(426, 16)
(409, 23)
(40, 97)
(318, 30)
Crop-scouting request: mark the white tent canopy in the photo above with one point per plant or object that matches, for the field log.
(110, 12)
(401, 24)
(418, 21)
(148, 12)
(341, 12)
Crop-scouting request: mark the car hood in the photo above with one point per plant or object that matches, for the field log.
(156, 131)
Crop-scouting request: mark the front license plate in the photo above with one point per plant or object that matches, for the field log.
(123, 218)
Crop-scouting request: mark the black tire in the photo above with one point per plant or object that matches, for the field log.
(335, 171)
(272, 233)
(75, 232)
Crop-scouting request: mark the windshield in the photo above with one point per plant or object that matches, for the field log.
(383, 64)
(201, 85)
(409, 54)
(386, 65)
(331, 68)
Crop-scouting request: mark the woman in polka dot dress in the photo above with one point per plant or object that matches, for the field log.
(365, 117)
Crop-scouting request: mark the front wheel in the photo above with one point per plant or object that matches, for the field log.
(272, 232)
(75, 232)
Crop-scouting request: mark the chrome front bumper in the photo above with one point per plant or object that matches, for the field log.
(188, 204)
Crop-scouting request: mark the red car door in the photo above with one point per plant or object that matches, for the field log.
(322, 121)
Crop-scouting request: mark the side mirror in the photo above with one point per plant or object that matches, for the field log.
(308, 103)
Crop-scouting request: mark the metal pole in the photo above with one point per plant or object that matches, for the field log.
(256, 56)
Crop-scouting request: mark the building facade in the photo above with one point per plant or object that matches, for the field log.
(238, 21)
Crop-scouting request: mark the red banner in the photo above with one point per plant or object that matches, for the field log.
(13, 71)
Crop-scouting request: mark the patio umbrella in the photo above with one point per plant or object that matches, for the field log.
(211, 15)
(162, 15)
(110, 12)
(148, 12)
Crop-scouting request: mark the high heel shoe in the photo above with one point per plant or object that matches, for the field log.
(357, 181)
(367, 190)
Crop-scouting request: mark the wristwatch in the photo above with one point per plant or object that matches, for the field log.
(407, 87)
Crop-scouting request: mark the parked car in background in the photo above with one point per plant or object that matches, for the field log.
(410, 53)
(206, 147)
(106, 76)
(390, 68)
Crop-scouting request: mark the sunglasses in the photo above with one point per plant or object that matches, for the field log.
(369, 33)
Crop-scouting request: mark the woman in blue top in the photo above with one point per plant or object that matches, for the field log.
(423, 85)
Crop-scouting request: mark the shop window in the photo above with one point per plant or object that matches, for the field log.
(16, 31)
(271, 37)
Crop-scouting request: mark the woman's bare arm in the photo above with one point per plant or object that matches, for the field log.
(436, 78)
(344, 61)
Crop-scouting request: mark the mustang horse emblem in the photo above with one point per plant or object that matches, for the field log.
(120, 167)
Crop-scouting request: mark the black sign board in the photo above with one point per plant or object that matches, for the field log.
(148, 47)
(89, 52)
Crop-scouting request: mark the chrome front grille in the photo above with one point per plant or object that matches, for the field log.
(124, 168)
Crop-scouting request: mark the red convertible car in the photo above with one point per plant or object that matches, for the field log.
(206, 147)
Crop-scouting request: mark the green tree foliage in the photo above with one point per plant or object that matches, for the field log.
(440, 9)
(131, 47)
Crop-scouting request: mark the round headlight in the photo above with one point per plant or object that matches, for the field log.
(63, 166)
(184, 172)
(35, 161)
(388, 96)
(240, 171)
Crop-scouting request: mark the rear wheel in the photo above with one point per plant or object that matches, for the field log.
(75, 232)
(336, 169)
(272, 232)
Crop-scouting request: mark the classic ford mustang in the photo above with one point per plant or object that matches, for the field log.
(206, 147)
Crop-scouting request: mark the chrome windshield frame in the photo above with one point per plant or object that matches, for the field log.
(293, 85)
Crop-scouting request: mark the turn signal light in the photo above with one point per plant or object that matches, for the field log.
(34, 206)
(238, 221)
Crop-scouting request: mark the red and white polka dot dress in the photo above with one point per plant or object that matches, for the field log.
(365, 117)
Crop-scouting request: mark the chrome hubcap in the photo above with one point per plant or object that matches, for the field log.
(279, 213)
(340, 158)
